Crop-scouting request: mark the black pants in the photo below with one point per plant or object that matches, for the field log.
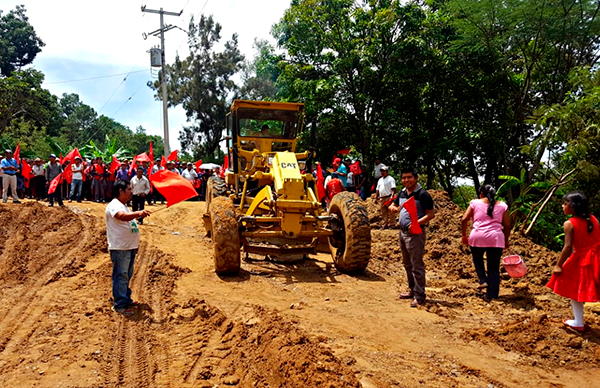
(138, 204)
(39, 186)
(56, 195)
(492, 278)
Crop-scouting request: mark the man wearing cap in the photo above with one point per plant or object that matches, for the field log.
(77, 184)
(171, 167)
(413, 245)
(340, 168)
(385, 191)
(10, 167)
(39, 180)
(190, 174)
(54, 169)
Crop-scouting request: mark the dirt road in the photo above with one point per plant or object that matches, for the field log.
(274, 325)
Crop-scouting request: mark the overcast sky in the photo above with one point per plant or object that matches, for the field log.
(87, 39)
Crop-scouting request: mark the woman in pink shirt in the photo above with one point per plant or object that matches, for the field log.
(489, 235)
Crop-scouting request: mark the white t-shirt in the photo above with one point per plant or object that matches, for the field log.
(77, 171)
(189, 175)
(385, 186)
(122, 235)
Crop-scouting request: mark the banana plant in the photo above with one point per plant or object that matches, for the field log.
(91, 150)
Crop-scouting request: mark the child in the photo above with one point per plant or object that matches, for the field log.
(577, 273)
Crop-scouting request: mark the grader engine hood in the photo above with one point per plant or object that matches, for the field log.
(288, 181)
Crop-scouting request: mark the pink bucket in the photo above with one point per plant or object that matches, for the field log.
(515, 266)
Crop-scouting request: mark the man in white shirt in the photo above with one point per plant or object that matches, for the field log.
(377, 171)
(140, 188)
(190, 174)
(386, 190)
(77, 185)
(39, 179)
(123, 240)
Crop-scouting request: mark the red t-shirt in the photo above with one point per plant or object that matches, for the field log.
(334, 186)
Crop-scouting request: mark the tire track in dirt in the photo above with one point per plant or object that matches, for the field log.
(139, 358)
(19, 322)
(129, 364)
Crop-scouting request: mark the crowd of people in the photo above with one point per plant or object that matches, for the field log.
(92, 179)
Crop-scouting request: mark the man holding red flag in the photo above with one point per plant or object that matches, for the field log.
(123, 236)
(53, 171)
(412, 220)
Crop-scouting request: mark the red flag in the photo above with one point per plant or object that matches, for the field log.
(143, 157)
(26, 172)
(68, 174)
(172, 156)
(411, 207)
(163, 162)
(54, 184)
(198, 164)
(150, 167)
(114, 165)
(355, 168)
(17, 153)
(173, 187)
(71, 156)
(132, 166)
(151, 152)
(344, 151)
(226, 162)
(320, 183)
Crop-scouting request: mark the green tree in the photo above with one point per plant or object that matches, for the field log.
(19, 43)
(202, 83)
(520, 53)
(23, 98)
(260, 75)
(356, 67)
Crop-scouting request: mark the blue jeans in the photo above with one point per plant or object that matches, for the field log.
(76, 185)
(122, 273)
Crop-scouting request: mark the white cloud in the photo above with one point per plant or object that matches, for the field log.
(98, 38)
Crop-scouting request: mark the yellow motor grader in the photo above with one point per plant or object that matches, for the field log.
(267, 205)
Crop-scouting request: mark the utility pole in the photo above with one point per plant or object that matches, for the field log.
(161, 31)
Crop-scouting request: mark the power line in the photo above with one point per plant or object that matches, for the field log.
(188, 1)
(199, 13)
(93, 78)
(126, 101)
(122, 82)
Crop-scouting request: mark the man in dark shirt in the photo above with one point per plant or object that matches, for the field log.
(413, 245)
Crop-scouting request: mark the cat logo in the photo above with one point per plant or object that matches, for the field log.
(288, 165)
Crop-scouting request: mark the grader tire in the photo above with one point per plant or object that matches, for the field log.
(353, 248)
(215, 187)
(225, 236)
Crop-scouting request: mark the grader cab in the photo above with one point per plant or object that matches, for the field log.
(267, 205)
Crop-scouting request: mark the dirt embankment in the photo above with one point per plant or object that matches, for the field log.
(56, 323)
(527, 319)
(37, 238)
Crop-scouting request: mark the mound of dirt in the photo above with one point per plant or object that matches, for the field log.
(260, 350)
(519, 322)
(544, 339)
(39, 237)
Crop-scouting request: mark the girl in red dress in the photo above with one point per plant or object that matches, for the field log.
(576, 275)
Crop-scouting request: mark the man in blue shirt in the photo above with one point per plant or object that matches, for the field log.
(10, 167)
